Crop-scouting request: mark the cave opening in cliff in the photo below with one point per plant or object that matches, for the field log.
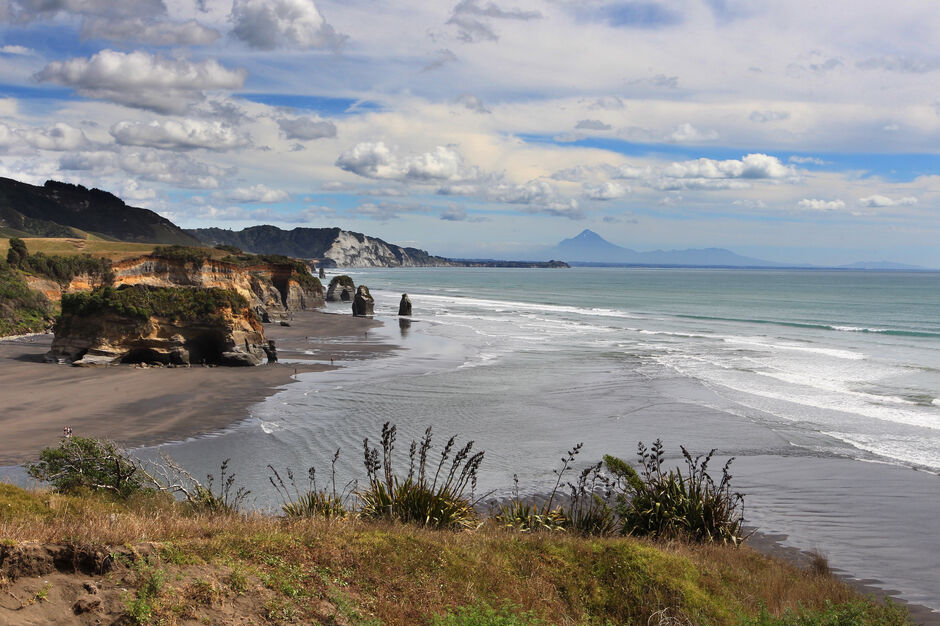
(206, 348)
(144, 355)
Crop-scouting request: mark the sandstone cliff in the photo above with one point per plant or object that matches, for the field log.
(171, 326)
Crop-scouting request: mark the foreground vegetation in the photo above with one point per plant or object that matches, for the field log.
(178, 564)
(622, 547)
(21, 309)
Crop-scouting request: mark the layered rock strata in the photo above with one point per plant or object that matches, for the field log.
(148, 325)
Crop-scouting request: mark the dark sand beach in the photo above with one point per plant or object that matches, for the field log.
(135, 406)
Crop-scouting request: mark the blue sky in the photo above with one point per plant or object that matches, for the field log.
(793, 131)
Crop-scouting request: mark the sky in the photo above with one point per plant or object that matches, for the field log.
(797, 131)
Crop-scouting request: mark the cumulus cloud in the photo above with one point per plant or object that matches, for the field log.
(59, 136)
(471, 102)
(608, 103)
(140, 79)
(97, 161)
(306, 128)
(190, 33)
(605, 191)
(592, 125)
(255, 193)
(473, 19)
(269, 24)
(814, 204)
(178, 135)
(750, 166)
(376, 160)
(385, 211)
(173, 169)
(762, 117)
(131, 190)
(569, 210)
(902, 65)
(879, 201)
(237, 213)
(686, 132)
(17, 50)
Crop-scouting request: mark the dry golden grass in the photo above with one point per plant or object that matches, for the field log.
(114, 250)
(354, 571)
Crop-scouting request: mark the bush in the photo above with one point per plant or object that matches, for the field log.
(312, 502)
(86, 463)
(22, 310)
(185, 254)
(672, 505)
(63, 269)
(174, 303)
(437, 502)
(16, 252)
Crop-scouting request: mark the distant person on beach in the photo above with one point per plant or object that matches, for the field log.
(67, 432)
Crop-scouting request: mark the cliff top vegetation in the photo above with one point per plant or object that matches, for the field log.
(139, 301)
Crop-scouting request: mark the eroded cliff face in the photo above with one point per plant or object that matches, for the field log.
(273, 290)
(355, 250)
(225, 338)
(53, 290)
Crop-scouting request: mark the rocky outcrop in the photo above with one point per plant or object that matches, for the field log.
(404, 307)
(322, 272)
(363, 305)
(273, 289)
(159, 326)
(341, 289)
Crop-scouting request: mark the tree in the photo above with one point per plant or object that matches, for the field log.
(86, 463)
(17, 252)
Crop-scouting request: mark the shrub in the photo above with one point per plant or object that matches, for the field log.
(21, 309)
(86, 463)
(185, 254)
(16, 252)
(312, 502)
(438, 502)
(168, 476)
(175, 303)
(672, 504)
(63, 269)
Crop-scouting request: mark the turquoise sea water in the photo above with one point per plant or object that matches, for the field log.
(824, 385)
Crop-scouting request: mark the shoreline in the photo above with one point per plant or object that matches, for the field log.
(772, 545)
(136, 406)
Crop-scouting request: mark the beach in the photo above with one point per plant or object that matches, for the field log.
(136, 406)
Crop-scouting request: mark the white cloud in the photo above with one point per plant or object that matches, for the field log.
(385, 211)
(256, 193)
(140, 79)
(441, 58)
(173, 169)
(879, 201)
(605, 191)
(59, 136)
(17, 50)
(132, 191)
(99, 162)
(376, 160)
(269, 24)
(814, 204)
(687, 133)
(190, 33)
(306, 128)
(454, 214)
(750, 166)
(178, 135)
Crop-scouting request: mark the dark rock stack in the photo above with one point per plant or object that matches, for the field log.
(363, 305)
(341, 289)
(322, 272)
(404, 307)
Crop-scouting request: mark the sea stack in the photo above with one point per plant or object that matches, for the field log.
(363, 305)
(322, 272)
(341, 289)
(404, 307)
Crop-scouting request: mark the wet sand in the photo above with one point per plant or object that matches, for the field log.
(135, 406)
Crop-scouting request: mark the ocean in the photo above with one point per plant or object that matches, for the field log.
(823, 384)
